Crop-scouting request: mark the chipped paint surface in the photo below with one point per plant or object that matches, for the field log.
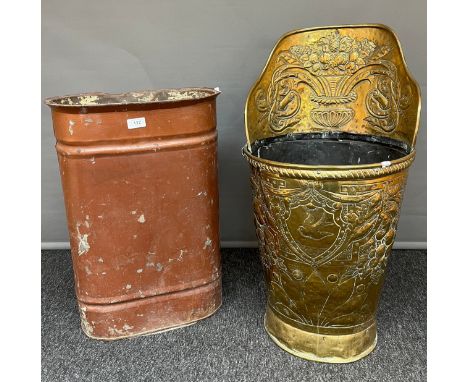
(139, 97)
(208, 243)
(87, 327)
(83, 245)
(181, 95)
(178, 258)
(130, 211)
(150, 258)
(119, 332)
(70, 127)
(88, 100)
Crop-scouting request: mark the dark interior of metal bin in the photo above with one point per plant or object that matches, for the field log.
(330, 148)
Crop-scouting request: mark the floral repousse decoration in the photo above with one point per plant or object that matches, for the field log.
(332, 67)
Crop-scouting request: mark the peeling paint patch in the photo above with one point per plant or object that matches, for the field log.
(129, 286)
(179, 258)
(150, 259)
(181, 254)
(88, 328)
(202, 193)
(159, 267)
(88, 271)
(87, 100)
(83, 245)
(133, 212)
(141, 219)
(121, 332)
(100, 260)
(208, 243)
(139, 270)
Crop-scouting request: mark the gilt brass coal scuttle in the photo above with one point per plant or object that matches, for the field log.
(331, 126)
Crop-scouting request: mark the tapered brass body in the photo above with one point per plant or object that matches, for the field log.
(326, 222)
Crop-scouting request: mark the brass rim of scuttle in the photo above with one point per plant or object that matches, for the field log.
(364, 171)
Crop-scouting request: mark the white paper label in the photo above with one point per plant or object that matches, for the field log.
(136, 123)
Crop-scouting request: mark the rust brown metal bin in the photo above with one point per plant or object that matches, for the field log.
(139, 176)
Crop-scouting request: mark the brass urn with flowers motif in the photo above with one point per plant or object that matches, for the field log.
(331, 126)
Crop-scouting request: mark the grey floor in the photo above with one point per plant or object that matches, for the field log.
(231, 345)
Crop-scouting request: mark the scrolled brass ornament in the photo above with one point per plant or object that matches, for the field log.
(331, 126)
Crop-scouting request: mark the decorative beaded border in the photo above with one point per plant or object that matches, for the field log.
(314, 172)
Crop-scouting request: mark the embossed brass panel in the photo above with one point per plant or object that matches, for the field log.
(351, 78)
(325, 231)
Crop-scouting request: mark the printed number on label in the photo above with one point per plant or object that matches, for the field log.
(136, 123)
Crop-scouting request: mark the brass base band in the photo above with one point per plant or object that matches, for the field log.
(320, 347)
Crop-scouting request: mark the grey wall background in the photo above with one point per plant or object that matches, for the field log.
(121, 45)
